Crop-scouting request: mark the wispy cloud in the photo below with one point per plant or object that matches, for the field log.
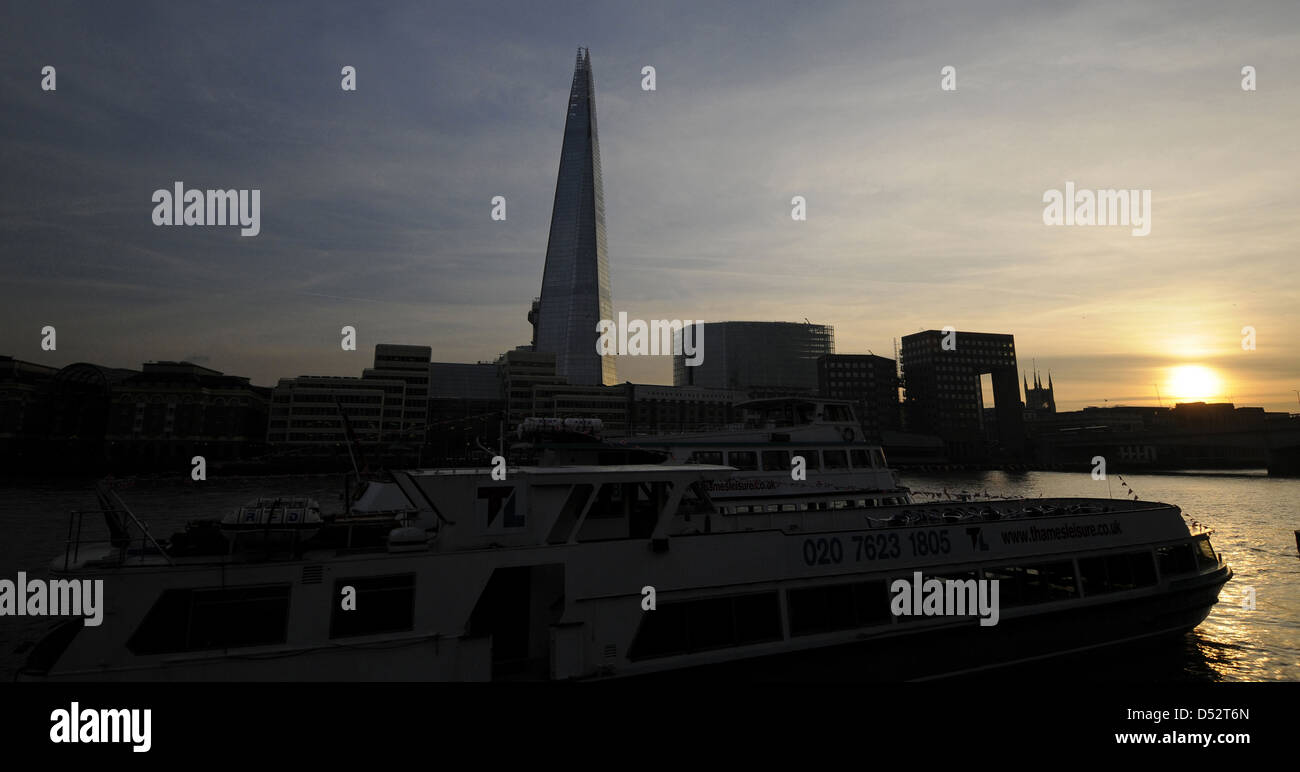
(924, 206)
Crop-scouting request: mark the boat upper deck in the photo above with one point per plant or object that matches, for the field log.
(457, 510)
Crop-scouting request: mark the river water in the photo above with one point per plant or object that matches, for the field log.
(1254, 517)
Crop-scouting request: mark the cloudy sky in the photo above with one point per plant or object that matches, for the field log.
(924, 206)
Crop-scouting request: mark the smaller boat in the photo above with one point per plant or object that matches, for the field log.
(271, 521)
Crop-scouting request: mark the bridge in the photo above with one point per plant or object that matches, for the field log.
(1274, 444)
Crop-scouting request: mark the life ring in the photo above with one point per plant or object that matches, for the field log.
(848, 434)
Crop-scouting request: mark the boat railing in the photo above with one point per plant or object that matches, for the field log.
(127, 546)
(124, 530)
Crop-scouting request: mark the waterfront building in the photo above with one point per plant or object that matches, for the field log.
(169, 412)
(406, 416)
(305, 411)
(764, 359)
(870, 382)
(942, 378)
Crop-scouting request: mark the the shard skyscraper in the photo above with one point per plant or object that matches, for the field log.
(575, 282)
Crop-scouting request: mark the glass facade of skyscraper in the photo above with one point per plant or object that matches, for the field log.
(575, 283)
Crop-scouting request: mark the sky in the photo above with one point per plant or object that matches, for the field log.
(924, 206)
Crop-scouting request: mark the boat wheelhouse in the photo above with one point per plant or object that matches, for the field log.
(610, 571)
(822, 438)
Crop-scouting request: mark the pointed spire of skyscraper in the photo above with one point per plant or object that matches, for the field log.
(575, 282)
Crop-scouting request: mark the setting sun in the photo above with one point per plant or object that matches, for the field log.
(1193, 382)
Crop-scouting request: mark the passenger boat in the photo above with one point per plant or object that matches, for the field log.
(613, 571)
(823, 436)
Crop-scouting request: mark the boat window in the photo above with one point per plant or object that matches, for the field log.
(710, 623)
(1092, 573)
(1119, 571)
(47, 651)
(1143, 568)
(744, 460)
(958, 594)
(609, 502)
(835, 459)
(1176, 559)
(199, 620)
(1205, 556)
(1113, 573)
(713, 457)
(810, 459)
(837, 607)
(573, 506)
(822, 609)
(860, 458)
(776, 460)
(384, 604)
(758, 618)
(836, 413)
(1050, 581)
(878, 458)
(1010, 581)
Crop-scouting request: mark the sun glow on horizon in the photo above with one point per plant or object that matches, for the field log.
(1195, 383)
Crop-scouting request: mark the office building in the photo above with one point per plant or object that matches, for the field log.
(763, 359)
(575, 281)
